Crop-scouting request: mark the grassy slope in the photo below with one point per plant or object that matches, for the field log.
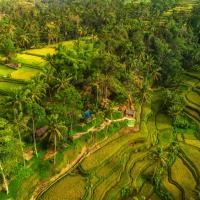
(29, 59)
(120, 165)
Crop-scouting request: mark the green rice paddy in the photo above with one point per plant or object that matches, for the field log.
(32, 61)
(122, 166)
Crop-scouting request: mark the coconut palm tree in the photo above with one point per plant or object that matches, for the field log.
(14, 103)
(62, 81)
(20, 125)
(48, 76)
(36, 90)
(160, 158)
(35, 111)
(4, 178)
(56, 128)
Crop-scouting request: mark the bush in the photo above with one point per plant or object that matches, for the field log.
(196, 68)
(173, 103)
(42, 169)
(101, 134)
(181, 121)
(125, 192)
(20, 174)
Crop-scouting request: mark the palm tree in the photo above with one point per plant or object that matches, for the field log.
(62, 81)
(145, 95)
(160, 157)
(155, 73)
(48, 77)
(35, 112)
(36, 89)
(4, 178)
(14, 103)
(19, 124)
(56, 127)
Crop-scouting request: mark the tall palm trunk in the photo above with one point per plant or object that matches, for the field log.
(4, 178)
(55, 143)
(142, 110)
(97, 97)
(21, 145)
(34, 136)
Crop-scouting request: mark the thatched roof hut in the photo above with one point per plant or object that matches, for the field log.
(14, 65)
(130, 113)
(41, 131)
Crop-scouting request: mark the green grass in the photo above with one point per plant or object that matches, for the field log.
(40, 52)
(165, 137)
(193, 97)
(24, 73)
(50, 49)
(9, 86)
(187, 133)
(154, 196)
(137, 170)
(192, 114)
(194, 142)
(70, 187)
(104, 153)
(30, 60)
(173, 190)
(5, 71)
(163, 122)
(188, 80)
(192, 105)
(68, 44)
(192, 153)
(182, 175)
(193, 75)
(146, 190)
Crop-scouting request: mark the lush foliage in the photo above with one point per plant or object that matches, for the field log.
(122, 51)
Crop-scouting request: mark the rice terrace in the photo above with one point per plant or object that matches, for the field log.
(100, 100)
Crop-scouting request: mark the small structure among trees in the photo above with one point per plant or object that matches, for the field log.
(130, 113)
(129, 109)
(41, 131)
(14, 65)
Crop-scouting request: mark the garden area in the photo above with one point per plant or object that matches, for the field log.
(99, 100)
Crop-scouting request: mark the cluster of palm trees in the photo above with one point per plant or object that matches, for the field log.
(24, 108)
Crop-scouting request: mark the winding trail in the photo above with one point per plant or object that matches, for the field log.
(106, 123)
(86, 151)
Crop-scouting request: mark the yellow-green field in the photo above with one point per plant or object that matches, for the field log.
(122, 165)
(32, 61)
(24, 73)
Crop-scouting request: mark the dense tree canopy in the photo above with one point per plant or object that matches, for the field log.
(123, 49)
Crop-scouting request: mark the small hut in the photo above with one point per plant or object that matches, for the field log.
(2, 15)
(41, 131)
(130, 113)
(14, 65)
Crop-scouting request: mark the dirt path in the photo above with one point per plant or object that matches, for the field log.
(46, 185)
(106, 123)
(43, 187)
(86, 151)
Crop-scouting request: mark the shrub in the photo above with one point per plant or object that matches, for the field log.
(181, 121)
(125, 192)
(42, 169)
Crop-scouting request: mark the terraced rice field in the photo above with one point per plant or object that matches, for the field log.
(24, 73)
(123, 169)
(184, 6)
(32, 62)
(192, 96)
(5, 71)
(7, 86)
